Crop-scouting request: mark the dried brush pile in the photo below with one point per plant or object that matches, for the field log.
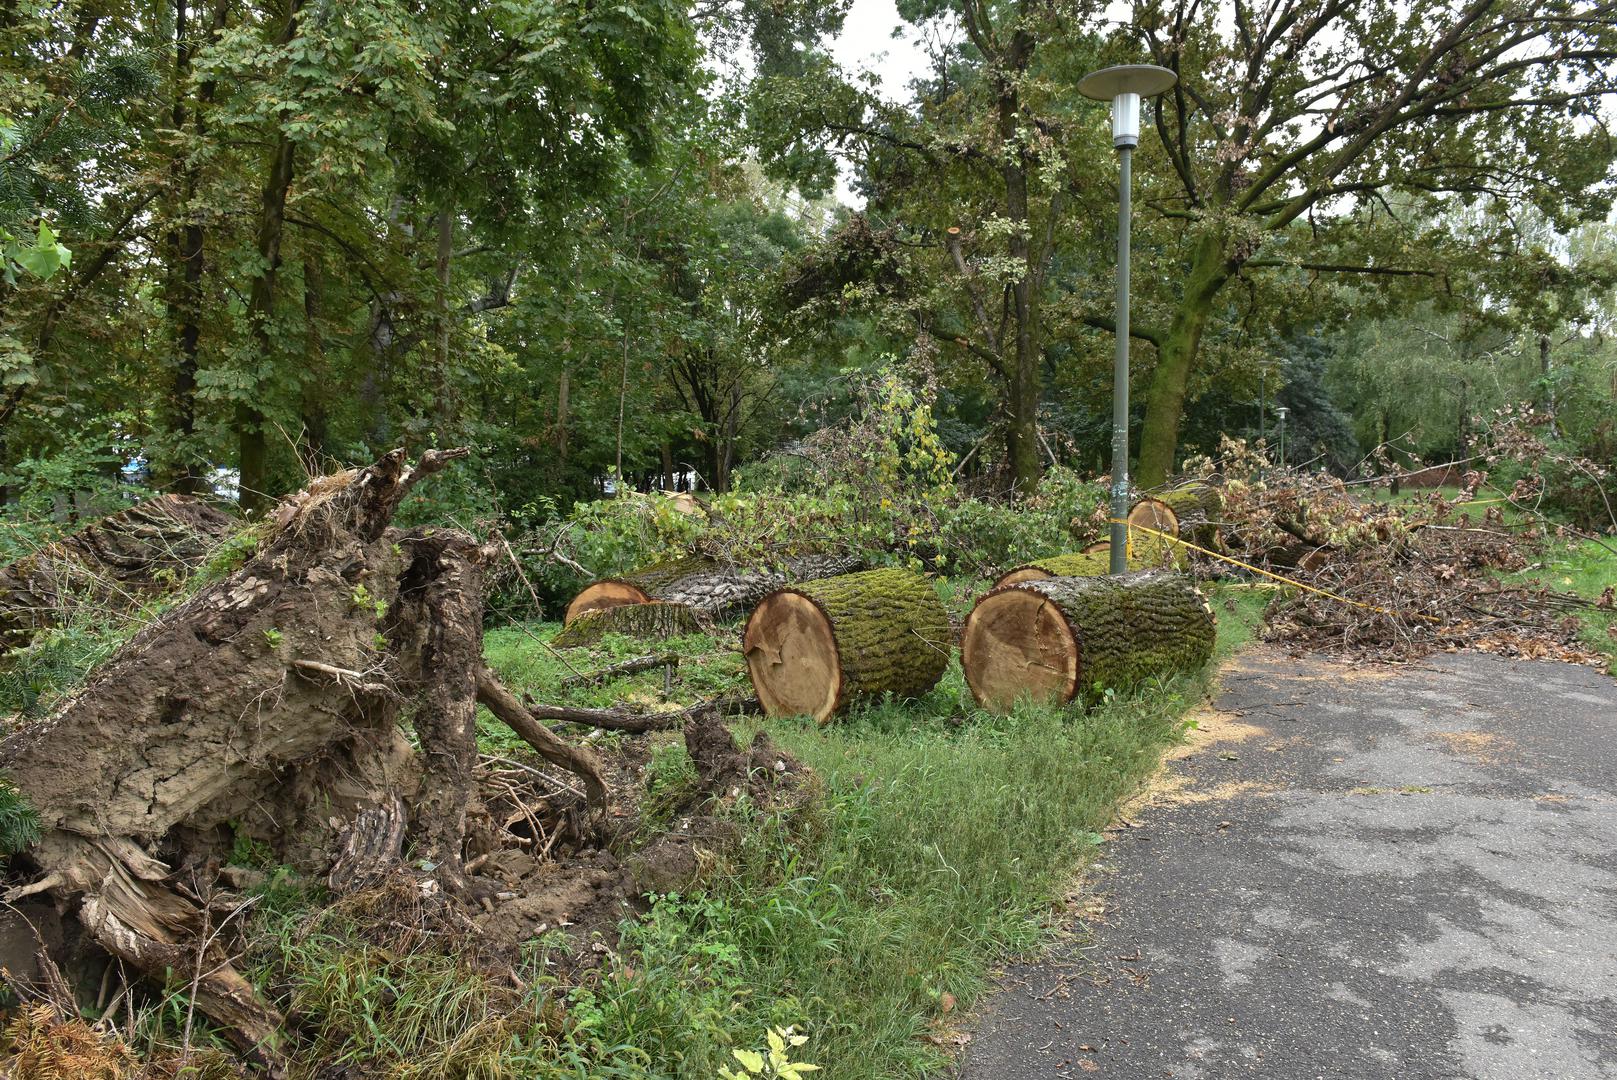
(1389, 580)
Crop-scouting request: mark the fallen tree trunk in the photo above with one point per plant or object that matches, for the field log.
(1063, 638)
(813, 648)
(268, 706)
(704, 585)
(1082, 564)
(113, 564)
(653, 621)
(640, 721)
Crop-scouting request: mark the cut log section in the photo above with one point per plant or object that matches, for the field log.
(1060, 639)
(815, 647)
(113, 564)
(1083, 564)
(651, 621)
(704, 585)
(1188, 512)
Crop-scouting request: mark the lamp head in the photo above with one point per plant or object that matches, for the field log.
(1124, 85)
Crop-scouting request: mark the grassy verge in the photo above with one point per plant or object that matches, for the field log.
(945, 837)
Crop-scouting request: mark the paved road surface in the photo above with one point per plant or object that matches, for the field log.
(1369, 873)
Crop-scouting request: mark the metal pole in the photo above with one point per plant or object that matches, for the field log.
(1120, 370)
(1263, 407)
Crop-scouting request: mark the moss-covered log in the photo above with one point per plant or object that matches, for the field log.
(651, 621)
(711, 588)
(112, 564)
(813, 648)
(1082, 564)
(1189, 511)
(1145, 552)
(1069, 637)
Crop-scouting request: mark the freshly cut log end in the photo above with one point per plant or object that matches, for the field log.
(1019, 645)
(600, 595)
(814, 648)
(1082, 564)
(1060, 639)
(640, 587)
(651, 620)
(1187, 511)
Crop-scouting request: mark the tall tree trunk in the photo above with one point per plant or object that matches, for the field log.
(316, 419)
(1165, 405)
(186, 242)
(443, 403)
(562, 388)
(1022, 435)
(253, 440)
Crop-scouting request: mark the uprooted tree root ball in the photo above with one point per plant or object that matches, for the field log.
(269, 711)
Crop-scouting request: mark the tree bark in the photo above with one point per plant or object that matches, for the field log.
(1165, 406)
(253, 439)
(1080, 564)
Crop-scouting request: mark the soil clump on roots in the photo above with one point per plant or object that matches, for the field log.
(316, 710)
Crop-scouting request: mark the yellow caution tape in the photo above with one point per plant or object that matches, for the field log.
(1278, 577)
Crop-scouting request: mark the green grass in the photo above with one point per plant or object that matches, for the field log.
(942, 841)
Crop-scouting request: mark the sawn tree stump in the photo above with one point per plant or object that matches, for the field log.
(814, 648)
(1061, 638)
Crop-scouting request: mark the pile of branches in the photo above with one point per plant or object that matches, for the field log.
(1391, 581)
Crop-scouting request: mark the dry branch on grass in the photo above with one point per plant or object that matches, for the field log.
(1392, 580)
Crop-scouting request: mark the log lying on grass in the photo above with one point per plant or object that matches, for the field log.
(1145, 552)
(1083, 564)
(653, 621)
(269, 706)
(112, 564)
(1058, 639)
(813, 648)
(1189, 511)
(704, 585)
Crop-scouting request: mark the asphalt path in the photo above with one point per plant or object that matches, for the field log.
(1350, 871)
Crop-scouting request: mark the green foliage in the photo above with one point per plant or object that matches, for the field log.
(57, 660)
(774, 1061)
(42, 255)
(19, 821)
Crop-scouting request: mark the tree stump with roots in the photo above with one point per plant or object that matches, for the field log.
(269, 704)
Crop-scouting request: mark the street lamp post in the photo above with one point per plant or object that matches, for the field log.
(1280, 411)
(1123, 86)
